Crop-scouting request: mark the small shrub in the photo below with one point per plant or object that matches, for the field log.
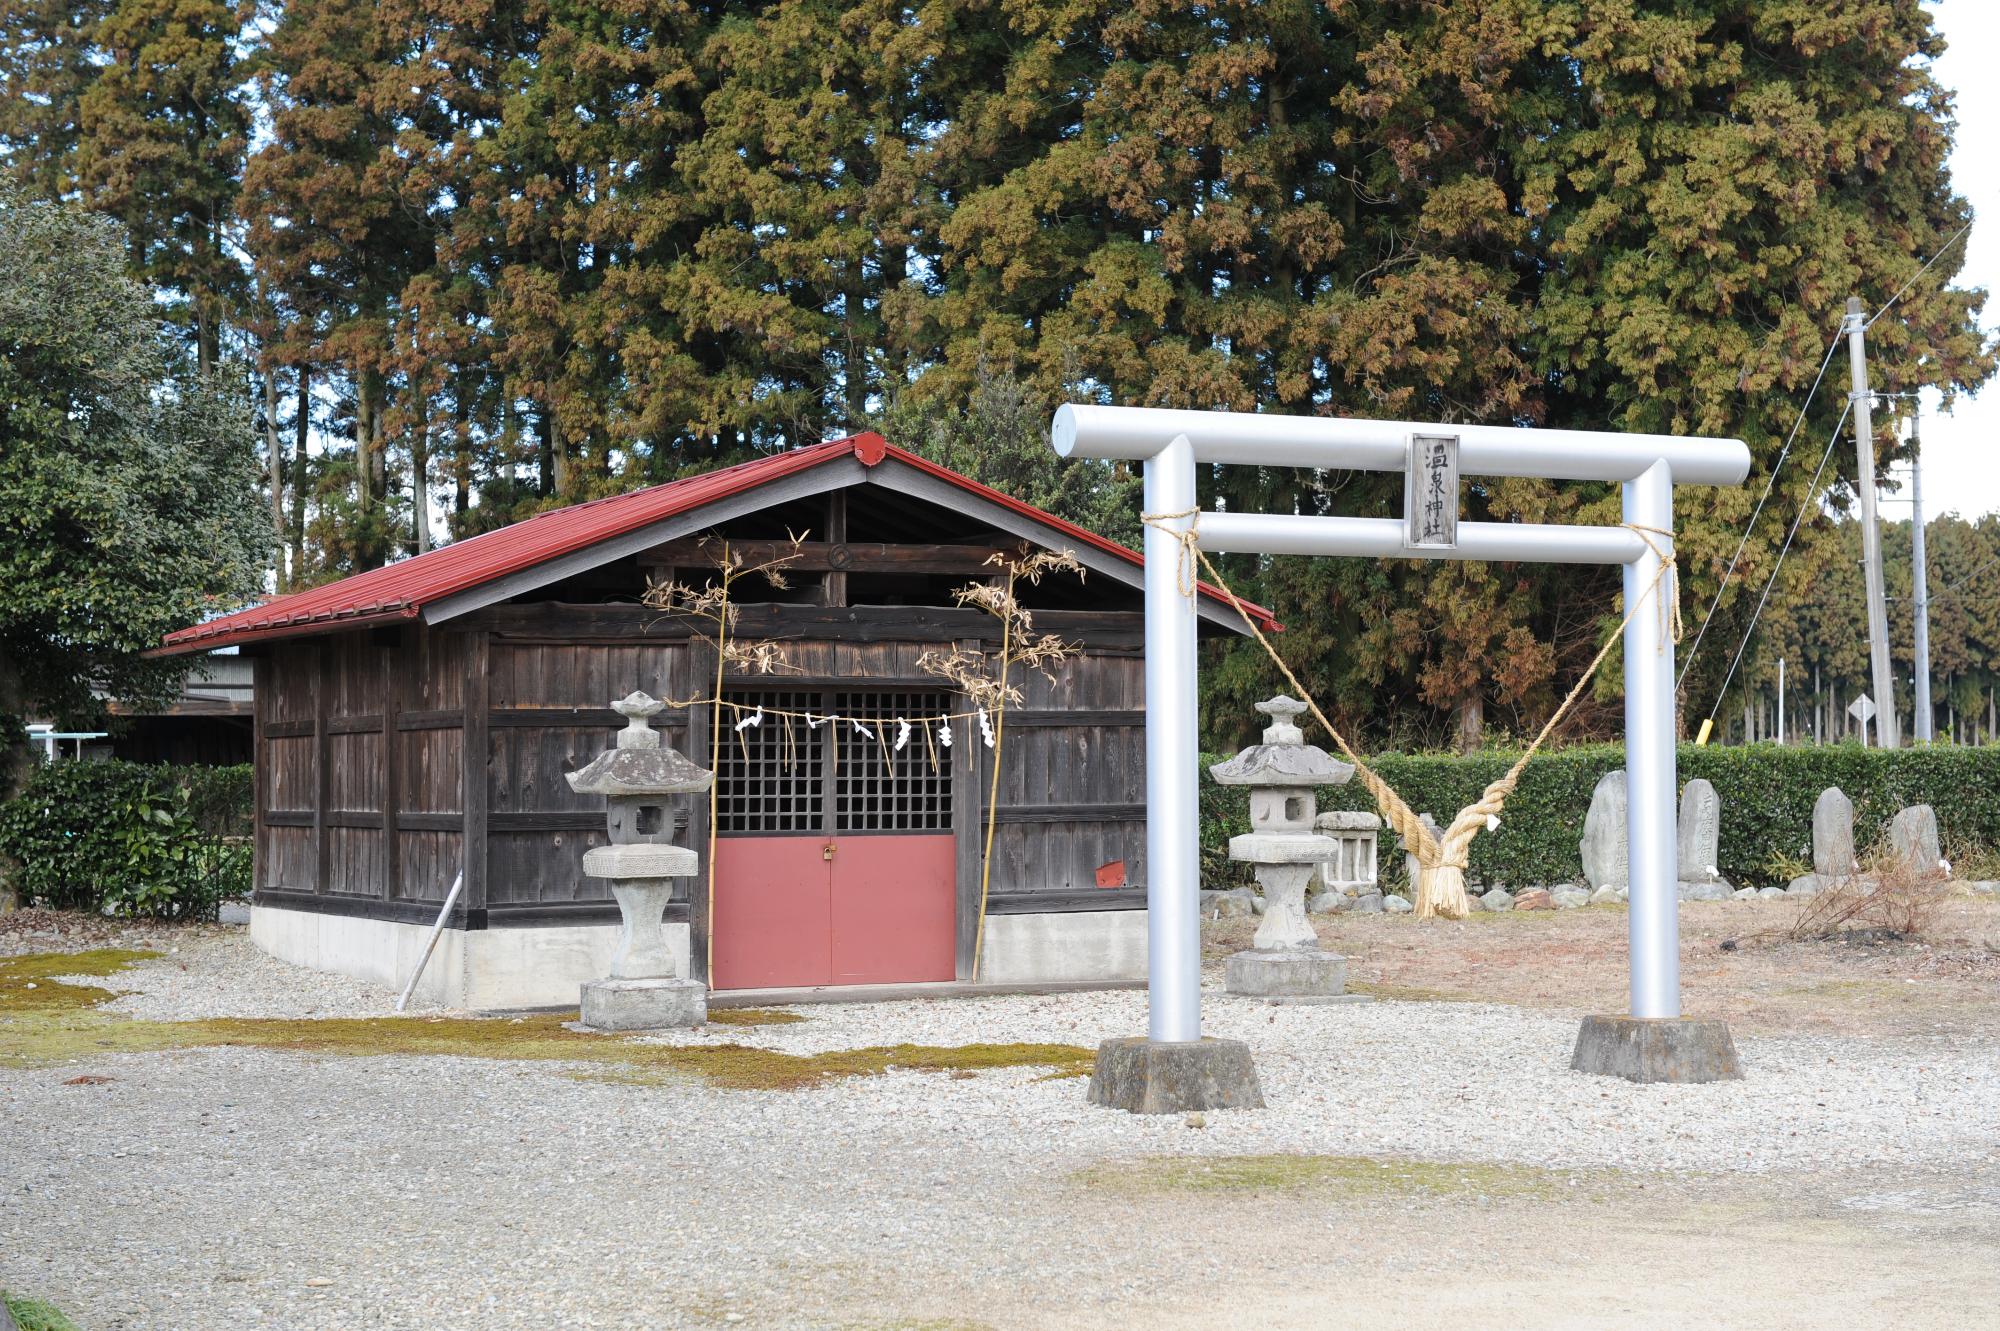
(129, 838)
(34, 1315)
(1890, 896)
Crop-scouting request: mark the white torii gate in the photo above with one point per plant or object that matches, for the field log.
(1171, 443)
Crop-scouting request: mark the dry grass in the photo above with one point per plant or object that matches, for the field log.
(1889, 898)
(1575, 961)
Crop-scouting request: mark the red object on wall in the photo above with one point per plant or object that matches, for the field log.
(1112, 874)
(880, 911)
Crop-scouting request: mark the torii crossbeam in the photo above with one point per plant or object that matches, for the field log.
(1175, 1069)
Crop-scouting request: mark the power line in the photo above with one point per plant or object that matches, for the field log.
(1757, 512)
(1771, 481)
(1812, 493)
(1919, 273)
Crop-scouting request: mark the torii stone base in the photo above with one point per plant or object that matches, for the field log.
(1141, 1076)
(1657, 1049)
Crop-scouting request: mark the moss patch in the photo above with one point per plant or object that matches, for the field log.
(45, 1023)
(34, 1315)
(1339, 1175)
(742, 1068)
(1403, 993)
(752, 1016)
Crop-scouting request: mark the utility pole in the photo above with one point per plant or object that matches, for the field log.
(1859, 402)
(1920, 595)
(1781, 700)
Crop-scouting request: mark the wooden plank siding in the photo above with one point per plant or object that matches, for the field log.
(548, 714)
(388, 761)
(355, 806)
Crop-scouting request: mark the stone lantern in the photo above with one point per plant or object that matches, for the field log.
(648, 787)
(1284, 963)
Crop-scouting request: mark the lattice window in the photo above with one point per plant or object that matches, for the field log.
(785, 778)
(771, 780)
(876, 788)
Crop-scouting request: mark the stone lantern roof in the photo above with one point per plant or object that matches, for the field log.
(1284, 758)
(640, 765)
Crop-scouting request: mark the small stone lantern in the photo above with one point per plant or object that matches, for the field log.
(1284, 963)
(648, 787)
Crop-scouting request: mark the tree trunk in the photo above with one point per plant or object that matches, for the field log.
(545, 451)
(302, 435)
(420, 483)
(277, 454)
(16, 759)
(364, 406)
(1471, 721)
(461, 455)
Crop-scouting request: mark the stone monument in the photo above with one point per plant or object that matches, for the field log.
(647, 786)
(1349, 879)
(1832, 844)
(1606, 856)
(1913, 840)
(1284, 963)
(1699, 845)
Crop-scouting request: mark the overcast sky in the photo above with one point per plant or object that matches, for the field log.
(1961, 466)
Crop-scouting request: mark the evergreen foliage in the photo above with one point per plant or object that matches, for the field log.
(127, 489)
(130, 839)
(511, 254)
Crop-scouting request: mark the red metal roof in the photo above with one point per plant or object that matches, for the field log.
(401, 590)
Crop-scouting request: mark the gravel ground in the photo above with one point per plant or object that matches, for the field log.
(215, 972)
(240, 1188)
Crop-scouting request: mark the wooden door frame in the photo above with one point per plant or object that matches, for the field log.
(966, 799)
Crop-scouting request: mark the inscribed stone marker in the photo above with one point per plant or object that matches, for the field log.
(1699, 845)
(1913, 836)
(1833, 834)
(1606, 857)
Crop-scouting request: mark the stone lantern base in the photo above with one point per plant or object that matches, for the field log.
(643, 1005)
(1290, 975)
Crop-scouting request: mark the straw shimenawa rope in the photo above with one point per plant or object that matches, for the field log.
(1442, 855)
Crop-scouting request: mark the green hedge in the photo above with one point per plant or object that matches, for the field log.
(129, 838)
(1767, 793)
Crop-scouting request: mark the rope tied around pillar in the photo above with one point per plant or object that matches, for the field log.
(1442, 856)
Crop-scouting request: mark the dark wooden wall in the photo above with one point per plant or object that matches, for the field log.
(389, 760)
(358, 772)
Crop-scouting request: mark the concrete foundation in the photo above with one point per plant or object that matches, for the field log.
(494, 969)
(1060, 947)
(642, 1005)
(1672, 1049)
(475, 969)
(1142, 1077)
(1290, 973)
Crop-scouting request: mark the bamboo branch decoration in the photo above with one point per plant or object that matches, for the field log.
(985, 680)
(714, 603)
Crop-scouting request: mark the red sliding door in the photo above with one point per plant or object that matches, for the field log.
(835, 862)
